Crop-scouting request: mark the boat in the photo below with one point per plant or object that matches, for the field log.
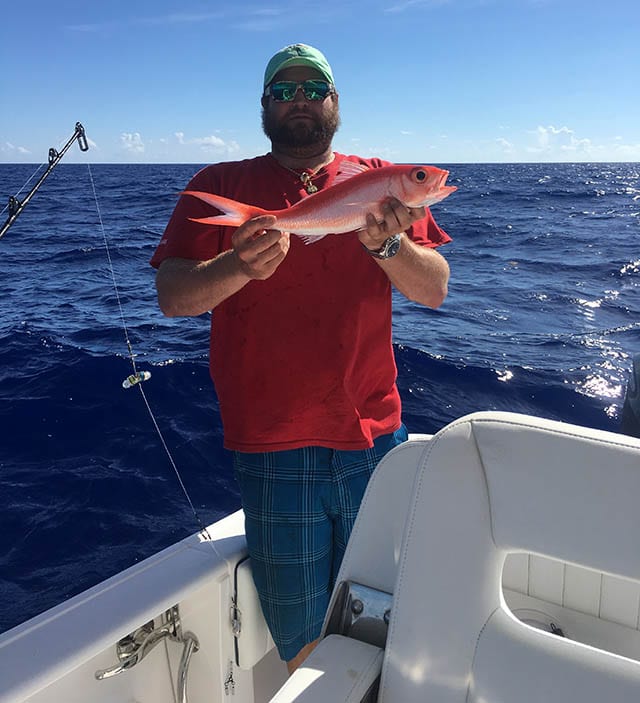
(496, 560)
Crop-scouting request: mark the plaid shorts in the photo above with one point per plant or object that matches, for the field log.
(300, 506)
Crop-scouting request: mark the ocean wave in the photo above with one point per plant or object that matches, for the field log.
(436, 391)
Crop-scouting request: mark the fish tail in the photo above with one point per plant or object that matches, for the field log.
(235, 213)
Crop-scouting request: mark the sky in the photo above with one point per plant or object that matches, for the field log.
(420, 81)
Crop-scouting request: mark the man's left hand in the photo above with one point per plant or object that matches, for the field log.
(397, 218)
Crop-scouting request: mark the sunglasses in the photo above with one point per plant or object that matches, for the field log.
(285, 91)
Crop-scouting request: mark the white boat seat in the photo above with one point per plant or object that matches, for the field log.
(340, 670)
(488, 485)
(370, 561)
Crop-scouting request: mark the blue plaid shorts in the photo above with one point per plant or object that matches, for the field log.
(300, 506)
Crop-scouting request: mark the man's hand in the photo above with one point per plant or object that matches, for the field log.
(259, 250)
(397, 218)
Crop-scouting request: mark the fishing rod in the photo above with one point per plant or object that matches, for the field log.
(17, 206)
(137, 377)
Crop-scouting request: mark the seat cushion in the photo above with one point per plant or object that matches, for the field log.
(339, 670)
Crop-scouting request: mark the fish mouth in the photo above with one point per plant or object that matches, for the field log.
(440, 191)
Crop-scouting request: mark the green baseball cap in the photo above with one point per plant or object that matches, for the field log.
(297, 55)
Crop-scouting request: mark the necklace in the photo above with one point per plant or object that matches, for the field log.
(306, 177)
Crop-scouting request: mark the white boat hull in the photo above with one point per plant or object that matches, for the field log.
(55, 656)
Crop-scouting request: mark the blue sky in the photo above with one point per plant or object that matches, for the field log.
(429, 81)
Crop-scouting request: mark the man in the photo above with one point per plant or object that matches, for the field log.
(301, 353)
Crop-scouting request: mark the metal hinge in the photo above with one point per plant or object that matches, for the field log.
(236, 618)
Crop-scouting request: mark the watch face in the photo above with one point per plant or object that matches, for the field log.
(392, 248)
(388, 249)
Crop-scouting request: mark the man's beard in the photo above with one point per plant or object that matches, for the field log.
(304, 136)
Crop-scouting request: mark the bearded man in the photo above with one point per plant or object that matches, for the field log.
(300, 353)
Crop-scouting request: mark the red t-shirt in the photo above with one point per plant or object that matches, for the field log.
(304, 357)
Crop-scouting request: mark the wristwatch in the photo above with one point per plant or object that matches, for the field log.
(390, 247)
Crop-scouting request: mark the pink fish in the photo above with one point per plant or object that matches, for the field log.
(343, 207)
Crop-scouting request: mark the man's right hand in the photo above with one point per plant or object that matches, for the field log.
(259, 250)
(187, 287)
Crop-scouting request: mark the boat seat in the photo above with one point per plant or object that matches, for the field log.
(346, 664)
(488, 485)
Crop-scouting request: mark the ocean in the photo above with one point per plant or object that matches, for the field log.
(542, 317)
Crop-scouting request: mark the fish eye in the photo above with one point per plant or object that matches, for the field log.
(420, 175)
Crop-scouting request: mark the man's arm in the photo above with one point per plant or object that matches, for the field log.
(420, 273)
(188, 288)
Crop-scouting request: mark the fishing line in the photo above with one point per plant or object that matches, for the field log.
(137, 377)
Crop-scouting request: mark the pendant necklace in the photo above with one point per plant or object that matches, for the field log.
(306, 177)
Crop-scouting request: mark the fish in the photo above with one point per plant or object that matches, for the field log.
(356, 191)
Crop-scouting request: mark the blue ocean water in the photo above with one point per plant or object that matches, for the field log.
(543, 317)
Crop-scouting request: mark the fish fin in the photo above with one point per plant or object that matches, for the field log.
(311, 238)
(218, 220)
(235, 213)
(347, 170)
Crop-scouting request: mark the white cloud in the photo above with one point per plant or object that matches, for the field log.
(169, 19)
(209, 144)
(8, 147)
(627, 152)
(406, 4)
(132, 142)
(182, 18)
(256, 18)
(562, 139)
(551, 143)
